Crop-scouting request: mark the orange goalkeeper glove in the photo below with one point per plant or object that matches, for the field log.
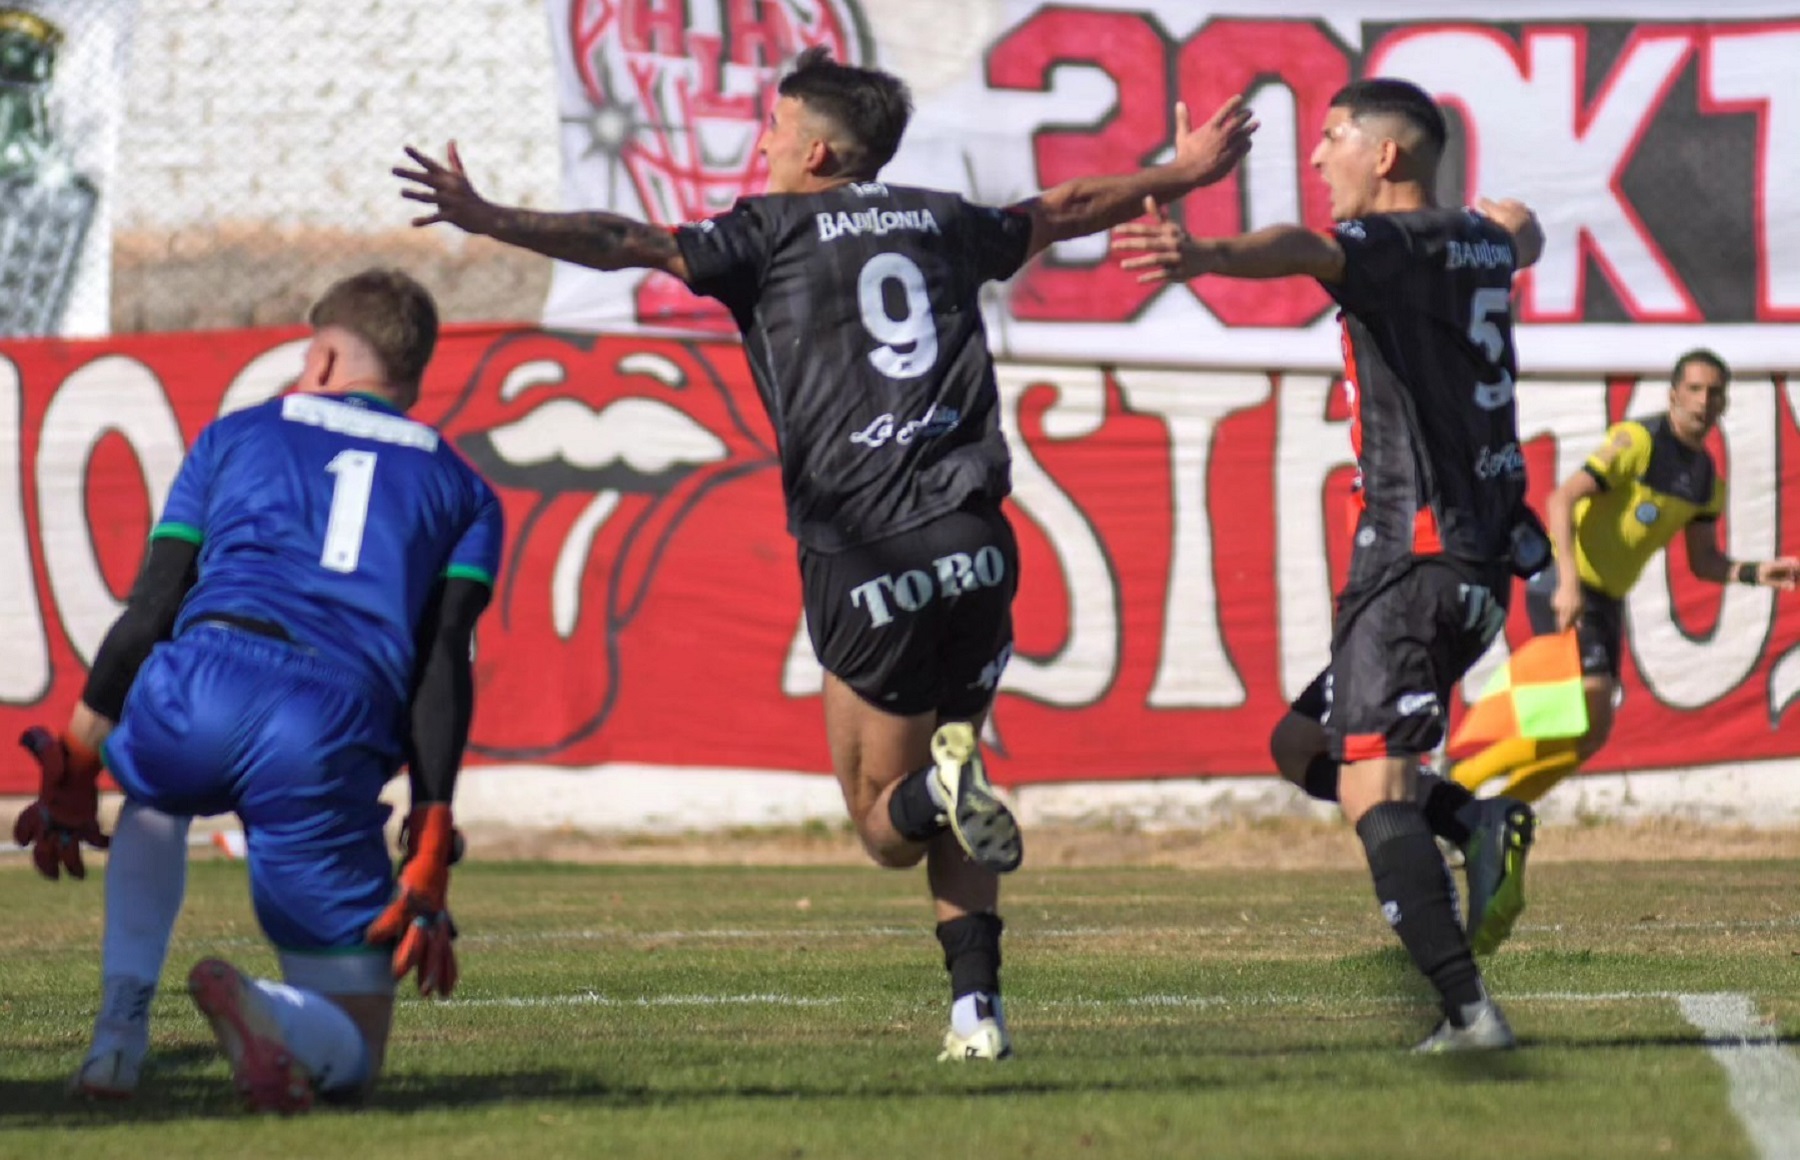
(417, 922)
(66, 812)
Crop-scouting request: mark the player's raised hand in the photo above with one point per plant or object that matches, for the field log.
(1214, 148)
(447, 189)
(66, 812)
(1159, 249)
(417, 923)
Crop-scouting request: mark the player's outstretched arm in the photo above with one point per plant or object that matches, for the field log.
(1707, 562)
(596, 239)
(1516, 218)
(1088, 205)
(1161, 251)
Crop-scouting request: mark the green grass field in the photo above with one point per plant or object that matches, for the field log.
(786, 1012)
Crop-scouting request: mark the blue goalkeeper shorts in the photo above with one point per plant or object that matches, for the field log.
(222, 720)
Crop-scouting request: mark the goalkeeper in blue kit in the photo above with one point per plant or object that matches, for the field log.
(300, 630)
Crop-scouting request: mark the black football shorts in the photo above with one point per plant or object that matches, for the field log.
(920, 621)
(1399, 645)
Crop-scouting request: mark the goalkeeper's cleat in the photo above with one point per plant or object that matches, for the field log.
(107, 1075)
(1484, 1028)
(1496, 867)
(983, 826)
(263, 1070)
(121, 1040)
(989, 1040)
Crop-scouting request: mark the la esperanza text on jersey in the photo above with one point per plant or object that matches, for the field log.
(879, 222)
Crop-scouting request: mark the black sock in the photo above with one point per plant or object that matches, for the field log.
(1321, 778)
(1417, 900)
(915, 816)
(1442, 800)
(972, 953)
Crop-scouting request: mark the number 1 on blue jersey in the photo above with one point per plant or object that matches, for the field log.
(350, 491)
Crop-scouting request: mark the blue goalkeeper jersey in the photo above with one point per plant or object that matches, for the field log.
(332, 516)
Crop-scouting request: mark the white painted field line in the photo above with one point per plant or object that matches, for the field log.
(1228, 1002)
(822, 934)
(735, 934)
(1763, 1077)
(1215, 1002)
(1331, 930)
(596, 999)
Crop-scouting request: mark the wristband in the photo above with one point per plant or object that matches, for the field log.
(1746, 572)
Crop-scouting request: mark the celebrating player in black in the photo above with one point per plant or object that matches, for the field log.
(858, 303)
(1426, 311)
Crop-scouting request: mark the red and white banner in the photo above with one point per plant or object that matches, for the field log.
(1656, 147)
(1180, 532)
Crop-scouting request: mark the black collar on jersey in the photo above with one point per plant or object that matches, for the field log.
(1674, 468)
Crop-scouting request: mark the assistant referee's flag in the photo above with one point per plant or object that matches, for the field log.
(1537, 695)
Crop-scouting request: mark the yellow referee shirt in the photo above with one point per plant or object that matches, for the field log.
(1651, 486)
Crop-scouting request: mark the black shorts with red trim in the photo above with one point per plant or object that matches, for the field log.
(920, 621)
(1599, 633)
(1399, 645)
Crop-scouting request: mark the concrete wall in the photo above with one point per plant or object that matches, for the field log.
(255, 111)
(254, 158)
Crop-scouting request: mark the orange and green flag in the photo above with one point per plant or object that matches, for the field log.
(1537, 695)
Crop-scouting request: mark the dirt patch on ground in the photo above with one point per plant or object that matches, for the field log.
(1268, 843)
(1281, 844)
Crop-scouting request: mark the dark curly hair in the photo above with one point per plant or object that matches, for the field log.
(871, 107)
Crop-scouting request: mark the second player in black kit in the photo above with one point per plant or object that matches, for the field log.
(1429, 363)
(1425, 297)
(859, 307)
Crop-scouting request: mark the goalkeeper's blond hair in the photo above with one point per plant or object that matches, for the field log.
(389, 311)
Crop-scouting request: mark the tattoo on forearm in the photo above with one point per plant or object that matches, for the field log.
(604, 241)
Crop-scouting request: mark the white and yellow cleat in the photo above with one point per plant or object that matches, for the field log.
(989, 1040)
(984, 827)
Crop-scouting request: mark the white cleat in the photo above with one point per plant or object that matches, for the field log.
(1484, 1029)
(988, 1041)
(120, 1043)
(107, 1075)
(984, 827)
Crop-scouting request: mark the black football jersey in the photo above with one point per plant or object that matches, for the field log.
(1429, 365)
(860, 313)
